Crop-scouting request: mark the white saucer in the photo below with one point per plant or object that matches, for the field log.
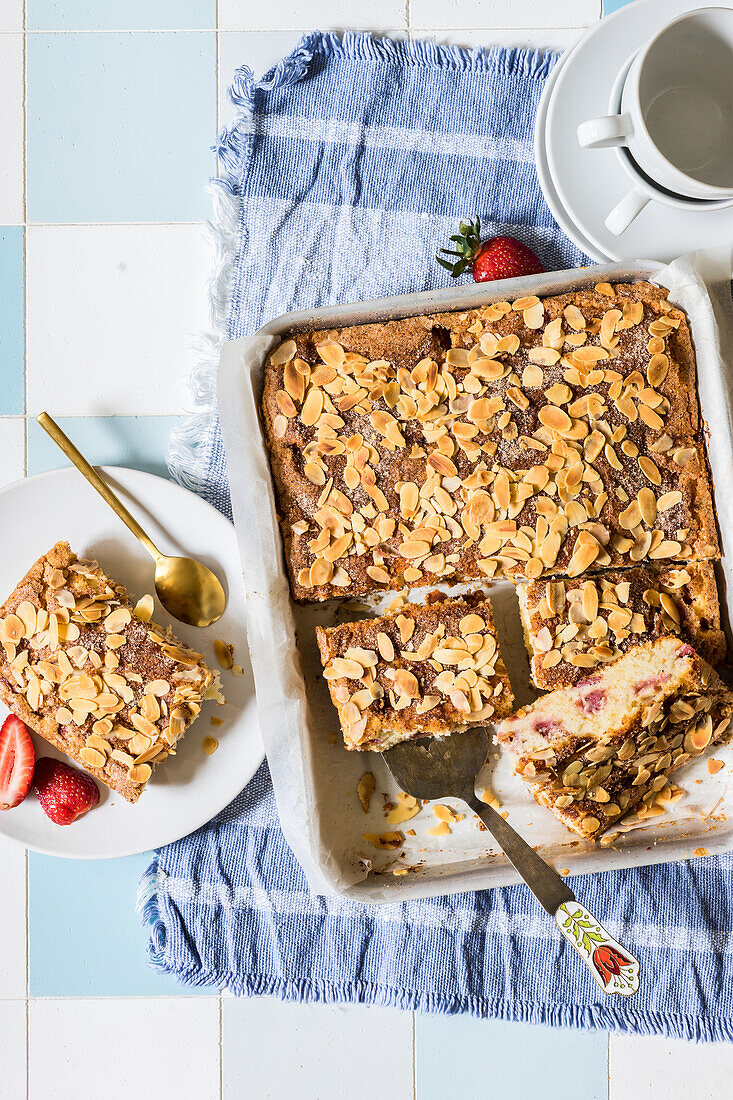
(191, 787)
(581, 185)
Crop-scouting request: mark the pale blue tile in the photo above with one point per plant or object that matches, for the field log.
(120, 126)
(139, 442)
(86, 939)
(613, 5)
(463, 1056)
(12, 343)
(132, 15)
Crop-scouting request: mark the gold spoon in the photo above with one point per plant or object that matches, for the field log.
(187, 589)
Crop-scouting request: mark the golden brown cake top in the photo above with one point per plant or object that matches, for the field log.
(90, 674)
(572, 626)
(518, 439)
(423, 669)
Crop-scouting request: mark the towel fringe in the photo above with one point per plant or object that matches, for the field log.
(621, 1019)
(189, 450)
(148, 910)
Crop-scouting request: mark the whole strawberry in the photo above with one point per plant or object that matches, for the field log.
(17, 759)
(498, 258)
(64, 792)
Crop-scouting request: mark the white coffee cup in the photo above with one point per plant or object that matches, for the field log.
(676, 116)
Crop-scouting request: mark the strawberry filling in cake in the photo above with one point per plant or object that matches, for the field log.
(592, 756)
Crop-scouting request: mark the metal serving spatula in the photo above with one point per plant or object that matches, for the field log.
(439, 768)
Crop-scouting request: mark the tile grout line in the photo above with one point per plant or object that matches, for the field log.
(221, 1046)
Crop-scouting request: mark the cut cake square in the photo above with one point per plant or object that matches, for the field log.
(596, 750)
(573, 626)
(429, 669)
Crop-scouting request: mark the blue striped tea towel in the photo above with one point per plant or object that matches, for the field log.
(351, 164)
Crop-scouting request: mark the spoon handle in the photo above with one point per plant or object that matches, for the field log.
(61, 440)
(544, 882)
(614, 968)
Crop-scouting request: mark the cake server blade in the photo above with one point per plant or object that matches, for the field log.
(430, 768)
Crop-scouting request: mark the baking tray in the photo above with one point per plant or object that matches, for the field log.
(314, 777)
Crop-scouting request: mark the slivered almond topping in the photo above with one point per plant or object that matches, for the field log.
(555, 418)
(574, 317)
(117, 619)
(544, 357)
(283, 353)
(224, 653)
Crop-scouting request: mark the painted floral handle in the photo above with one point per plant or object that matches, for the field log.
(612, 966)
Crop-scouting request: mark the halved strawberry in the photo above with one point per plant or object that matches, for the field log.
(64, 792)
(17, 761)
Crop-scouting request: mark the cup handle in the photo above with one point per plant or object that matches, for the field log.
(624, 212)
(605, 132)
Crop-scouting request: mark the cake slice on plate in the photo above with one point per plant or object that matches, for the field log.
(425, 669)
(86, 671)
(595, 751)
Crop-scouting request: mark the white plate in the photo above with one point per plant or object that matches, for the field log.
(191, 787)
(581, 186)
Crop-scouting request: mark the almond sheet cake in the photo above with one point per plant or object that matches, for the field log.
(594, 751)
(572, 626)
(517, 440)
(87, 671)
(428, 669)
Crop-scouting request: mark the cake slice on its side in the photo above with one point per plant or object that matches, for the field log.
(573, 626)
(89, 674)
(429, 669)
(594, 751)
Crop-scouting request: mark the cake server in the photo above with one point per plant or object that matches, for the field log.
(431, 768)
(188, 590)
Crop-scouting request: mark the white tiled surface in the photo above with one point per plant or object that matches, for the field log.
(118, 1048)
(11, 128)
(109, 310)
(649, 1068)
(12, 466)
(13, 1070)
(14, 950)
(118, 302)
(321, 1050)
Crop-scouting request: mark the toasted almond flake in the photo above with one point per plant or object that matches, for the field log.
(534, 315)
(700, 852)
(647, 506)
(117, 619)
(555, 418)
(544, 357)
(144, 608)
(414, 549)
(403, 813)
(472, 624)
(283, 353)
(92, 757)
(666, 549)
(650, 469)
(574, 317)
(224, 653)
(440, 830)
(209, 745)
(388, 841)
(683, 455)
(140, 773)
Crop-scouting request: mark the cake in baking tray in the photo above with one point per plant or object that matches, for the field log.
(428, 669)
(596, 750)
(523, 439)
(89, 673)
(573, 626)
